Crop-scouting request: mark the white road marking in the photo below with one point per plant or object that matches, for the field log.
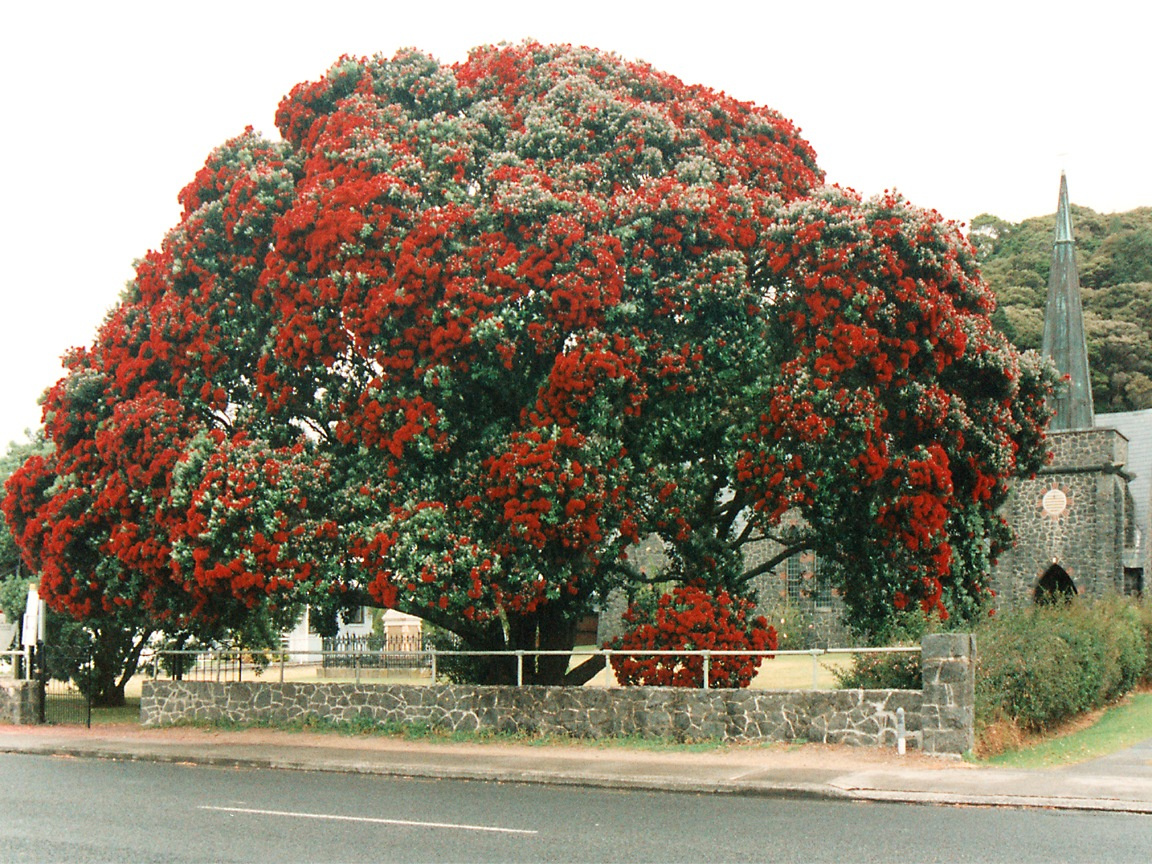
(337, 818)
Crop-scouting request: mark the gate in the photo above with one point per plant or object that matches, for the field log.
(66, 676)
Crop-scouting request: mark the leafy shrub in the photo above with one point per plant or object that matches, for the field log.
(888, 671)
(692, 618)
(1038, 667)
(794, 624)
(458, 668)
(1145, 610)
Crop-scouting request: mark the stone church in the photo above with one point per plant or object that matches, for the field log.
(1082, 523)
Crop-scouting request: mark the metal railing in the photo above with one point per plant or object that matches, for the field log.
(227, 666)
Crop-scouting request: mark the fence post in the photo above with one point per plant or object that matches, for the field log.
(520, 668)
(42, 676)
(607, 667)
(707, 667)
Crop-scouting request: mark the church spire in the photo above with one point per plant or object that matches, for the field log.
(1064, 327)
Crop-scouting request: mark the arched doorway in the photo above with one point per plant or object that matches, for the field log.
(1055, 586)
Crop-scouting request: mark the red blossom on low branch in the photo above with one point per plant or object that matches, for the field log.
(691, 617)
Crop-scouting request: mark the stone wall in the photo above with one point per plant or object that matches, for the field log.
(863, 717)
(939, 719)
(20, 701)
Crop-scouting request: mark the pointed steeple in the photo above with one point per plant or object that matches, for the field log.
(1064, 338)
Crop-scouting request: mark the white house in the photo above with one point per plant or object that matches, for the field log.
(399, 628)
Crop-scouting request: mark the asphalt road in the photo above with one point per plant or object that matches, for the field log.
(76, 810)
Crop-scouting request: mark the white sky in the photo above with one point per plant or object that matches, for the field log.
(110, 109)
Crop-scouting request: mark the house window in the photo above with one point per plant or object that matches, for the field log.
(356, 616)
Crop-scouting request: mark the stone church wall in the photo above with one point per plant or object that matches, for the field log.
(1071, 514)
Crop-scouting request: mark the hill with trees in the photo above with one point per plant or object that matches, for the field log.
(1114, 252)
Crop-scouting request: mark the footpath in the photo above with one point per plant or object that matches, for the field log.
(1121, 782)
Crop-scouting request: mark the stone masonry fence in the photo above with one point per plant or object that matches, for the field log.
(20, 701)
(938, 719)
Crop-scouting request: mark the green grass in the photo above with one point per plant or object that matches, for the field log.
(126, 714)
(1121, 726)
(365, 726)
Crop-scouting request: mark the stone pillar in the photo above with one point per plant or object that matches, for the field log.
(20, 702)
(948, 712)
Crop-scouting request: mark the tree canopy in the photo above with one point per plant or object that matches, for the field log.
(469, 332)
(1114, 254)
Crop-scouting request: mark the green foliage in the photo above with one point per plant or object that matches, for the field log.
(899, 671)
(1041, 666)
(1114, 253)
(13, 592)
(461, 669)
(1145, 609)
(888, 671)
(794, 624)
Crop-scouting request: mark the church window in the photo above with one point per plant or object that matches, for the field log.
(794, 574)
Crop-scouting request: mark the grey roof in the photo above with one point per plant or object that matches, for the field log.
(1136, 426)
(1064, 338)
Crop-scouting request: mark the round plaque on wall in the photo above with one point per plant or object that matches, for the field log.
(1054, 502)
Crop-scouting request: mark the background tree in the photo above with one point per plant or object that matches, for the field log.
(14, 576)
(1114, 253)
(472, 331)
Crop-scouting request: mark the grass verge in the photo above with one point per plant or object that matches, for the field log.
(422, 732)
(1127, 723)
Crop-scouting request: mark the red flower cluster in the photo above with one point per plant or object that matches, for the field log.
(692, 618)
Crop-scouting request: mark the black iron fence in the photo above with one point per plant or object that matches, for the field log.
(372, 651)
(68, 680)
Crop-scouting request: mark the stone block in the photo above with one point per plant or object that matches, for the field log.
(948, 645)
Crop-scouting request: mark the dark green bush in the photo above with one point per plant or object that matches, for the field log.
(1145, 610)
(897, 671)
(894, 671)
(1041, 666)
(795, 626)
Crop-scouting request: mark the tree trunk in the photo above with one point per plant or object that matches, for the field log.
(549, 629)
(115, 659)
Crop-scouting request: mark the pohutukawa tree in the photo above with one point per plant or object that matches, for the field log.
(470, 331)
